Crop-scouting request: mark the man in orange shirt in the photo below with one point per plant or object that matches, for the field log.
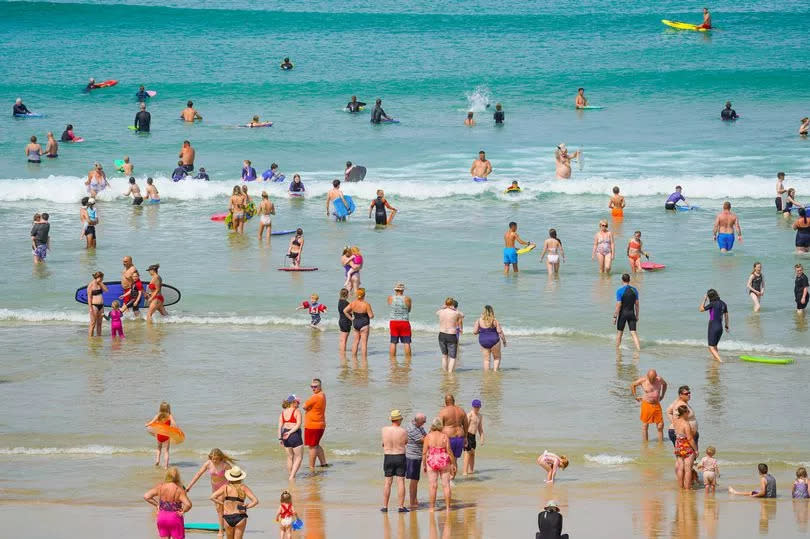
(315, 423)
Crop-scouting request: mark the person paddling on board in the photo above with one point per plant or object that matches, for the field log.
(91, 85)
(510, 255)
(272, 174)
(673, 199)
(189, 114)
(354, 105)
(297, 186)
(707, 20)
(481, 168)
(142, 94)
(724, 226)
(68, 135)
(143, 119)
(378, 114)
(581, 101)
(20, 108)
(334, 194)
(728, 113)
(378, 206)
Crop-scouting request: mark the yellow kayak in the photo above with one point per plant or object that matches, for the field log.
(683, 26)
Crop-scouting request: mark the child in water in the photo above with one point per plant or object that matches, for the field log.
(551, 463)
(708, 465)
(355, 265)
(800, 490)
(248, 172)
(286, 515)
(315, 309)
(163, 417)
(116, 326)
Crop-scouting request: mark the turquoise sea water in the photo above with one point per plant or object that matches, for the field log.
(662, 89)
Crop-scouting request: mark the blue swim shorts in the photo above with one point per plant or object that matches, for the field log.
(510, 255)
(725, 241)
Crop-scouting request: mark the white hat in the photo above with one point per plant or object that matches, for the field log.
(235, 474)
(550, 503)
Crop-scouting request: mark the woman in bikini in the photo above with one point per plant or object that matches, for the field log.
(490, 335)
(217, 464)
(237, 209)
(360, 313)
(603, 247)
(634, 252)
(231, 496)
(266, 209)
(95, 303)
(438, 462)
(554, 249)
(289, 434)
(155, 298)
(296, 248)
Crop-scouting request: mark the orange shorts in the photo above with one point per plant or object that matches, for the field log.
(617, 212)
(651, 413)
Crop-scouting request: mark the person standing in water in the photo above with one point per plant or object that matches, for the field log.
(143, 119)
(718, 317)
(134, 192)
(155, 298)
(334, 194)
(354, 105)
(189, 114)
(187, 155)
(52, 148)
(510, 255)
(455, 426)
(780, 190)
(378, 114)
(756, 285)
(553, 247)
(728, 113)
(616, 204)
(580, 101)
(563, 161)
(152, 194)
(469, 121)
(654, 388)
(724, 226)
(801, 289)
(604, 248)
(475, 426)
(378, 206)
(498, 116)
(451, 324)
(802, 228)
(315, 424)
(33, 151)
(634, 251)
(266, 209)
(40, 238)
(399, 325)
(626, 312)
(490, 336)
(481, 168)
(804, 127)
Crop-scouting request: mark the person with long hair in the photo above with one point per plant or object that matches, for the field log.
(756, 285)
(217, 464)
(685, 447)
(95, 303)
(290, 424)
(155, 297)
(165, 417)
(360, 313)
(718, 317)
(802, 228)
(172, 503)
(231, 496)
(237, 210)
(554, 249)
(490, 336)
(266, 209)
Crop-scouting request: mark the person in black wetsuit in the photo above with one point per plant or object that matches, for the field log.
(378, 206)
(20, 108)
(718, 314)
(143, 119)
(378, 114)
(728, 113)
(550, 522)
(498, 116)
(801, 289)
(354, 105)
(296, 185)
(626, 312)
(91, 85)
(142, 95)
(286, 65)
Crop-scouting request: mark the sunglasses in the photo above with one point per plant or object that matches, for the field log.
(314, 387)
(686, 393)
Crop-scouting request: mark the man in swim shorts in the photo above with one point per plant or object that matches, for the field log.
(334, 194)
(707, 19)
(626, 312)
(132, 286)
(724, 226)
(394, 440)
(134, 191)
(451, 325)
(510, 255)
(481, 167)
(315, 423)
(780, 190)
(399, 325)
(187, 155)
(654, 388)
(189, 114)
(673, 199)
(455, 426)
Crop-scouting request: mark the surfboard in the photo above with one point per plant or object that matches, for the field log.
(526, 249)
(28, 115)
(768, 360)
(219, 216)
(683, 25)
(151, 93)
(341, 211)
(263, 124)
(513, 191)
(298, 269)
(114, 292)
(590, 107)
(390, 121)
(78, 139)
(207, 526)
(282, 232)
(105, 84)
(478, 179)
(356, 174)
(296, 194)
(687, 208)
(132, 128)
(119, 165)
(651, 266)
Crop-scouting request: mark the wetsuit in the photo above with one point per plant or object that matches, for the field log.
(179, 174)
(673, 199)
(550, 524)
(248, 174)
(297, 187)
(628, 296)
(498, 116)
(728, 114)
(21, 109)
(142, 96)
(717, 309)
(378, 114)
(380, 216)
(798, 290)
(142, 121)
(355, 107)
(202, 176)
(67, 136)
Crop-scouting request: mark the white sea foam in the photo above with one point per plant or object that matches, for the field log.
(84, 450)
(345, 452)
(608, 460)
(479, 99)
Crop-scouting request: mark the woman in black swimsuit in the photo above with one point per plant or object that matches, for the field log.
(344, 323)
(232, 498)
(802, 228)
(360, 313)
(95, 303)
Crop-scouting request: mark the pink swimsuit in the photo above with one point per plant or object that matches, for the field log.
(116, 327)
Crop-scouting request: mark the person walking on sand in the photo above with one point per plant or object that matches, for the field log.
(413, 456)
(451, 324)
(439, 462)
(767, 485)
(455, 426)
(315, 424)
(172, 502)
(626, 312)
(289, 434)
(510, 255)
(554, 249)
(686, 448)
(394, 440)
(724, 226)
(654, 388)
(490, 336)
(475, 426)
(718, 317)
(399, 325)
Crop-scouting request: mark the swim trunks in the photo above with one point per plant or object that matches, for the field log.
(394, 465)
(457, 445)
(470, 442)
(412, 468)
(448, 344)
(617, 212)
(137, 201)
(41, 251)
(778, 201)
(400, 331)
(479, 179)
(312, 437)
(651, 413)
(510, 255)
(725, 241)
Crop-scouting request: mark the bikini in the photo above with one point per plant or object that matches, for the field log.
(553, 252)
(234, 519)
(217, 479)
(158, 297)
(634, 246)
(98, 292)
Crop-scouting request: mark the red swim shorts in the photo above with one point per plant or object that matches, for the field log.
(400, 331)
(312, 437)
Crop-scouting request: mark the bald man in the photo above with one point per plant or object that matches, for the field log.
(413, 455)
(455, 425)
(654, 388)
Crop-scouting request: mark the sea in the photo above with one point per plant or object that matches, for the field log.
(72, 436)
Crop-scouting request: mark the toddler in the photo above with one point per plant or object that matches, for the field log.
(710, 470)
(286, 516)
(800, 485)
(116, 326)
(315, 309)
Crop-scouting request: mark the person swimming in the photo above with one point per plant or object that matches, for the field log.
(272, 174)
(296, 185)
(514, 188)
(673, 199)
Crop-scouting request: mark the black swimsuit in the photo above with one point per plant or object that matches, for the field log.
(97, 292)
(361, 320)
(380, 217)
(235, 518)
